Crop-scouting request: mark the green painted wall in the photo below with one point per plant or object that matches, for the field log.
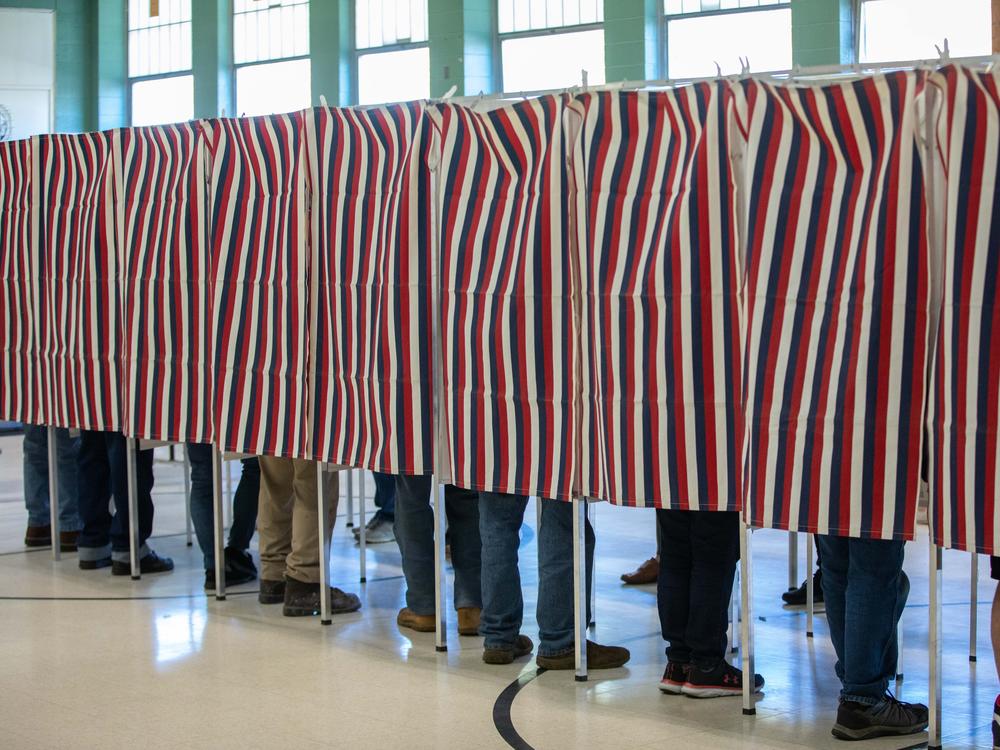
(212, 58)
(632, 46)
(823, 32)
(112, 61)
(331, 47)
(461, 34)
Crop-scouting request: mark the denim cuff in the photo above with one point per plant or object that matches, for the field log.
(92, 554)
(123, 556)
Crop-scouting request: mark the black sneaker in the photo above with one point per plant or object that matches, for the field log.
(151, 563)
(232, 578)
(996, 724)
(674, 678)
(722, 681)
(239, 561)
(797, 597)
(888, 717)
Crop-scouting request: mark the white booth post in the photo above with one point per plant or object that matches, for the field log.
(810, 587)
(934, 649)
(440, 598)
(131, 449)
(580, 586)
(746, 624)
(218, 526)
(187, 496)
(54, 493)
(793, 561)
(363, 528)
(973, 606)
(325, 617)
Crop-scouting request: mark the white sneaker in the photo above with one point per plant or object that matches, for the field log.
(377, 531)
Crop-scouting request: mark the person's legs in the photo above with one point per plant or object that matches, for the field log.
(462, 510)
(715, 550)
(200, 458)
(245, 506)
(414, 529)
(303, 562)
(116, 445)
(835, 556)
(274, 517)
(67, 449)
(673, 587)
(36, 481)
(555, 612)
(385, 495)
(94, 494)
(500, 519)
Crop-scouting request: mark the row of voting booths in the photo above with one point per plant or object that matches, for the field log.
(775, 295)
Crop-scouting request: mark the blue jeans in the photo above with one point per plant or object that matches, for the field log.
(414, 529)
(385, 495)
(102, 473)
(865, 590)
(36, 477)
(500, 520)
(202, 511)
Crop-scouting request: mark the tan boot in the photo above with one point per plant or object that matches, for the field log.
(413, 621)
(468, 620)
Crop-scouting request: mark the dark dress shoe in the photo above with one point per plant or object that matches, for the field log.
(151, 563)
(67, 540)
(104, 562)
(648, 572)
(38, 536)
(797, 597)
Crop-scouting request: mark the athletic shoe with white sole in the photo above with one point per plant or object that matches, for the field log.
(722, 681)
(674, 677)
(377, 531)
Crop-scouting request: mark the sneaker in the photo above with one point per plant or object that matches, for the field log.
(521, 646)
(377, 531)
(302, 600)
(271, 592)
(797, 597)
(232, 578)
(38, 536)
(598, 657)
(239, 562)
(888, 717)
(407, 618)
(646, 573)
(675, 676)
(721, 681)
(996, 724)
(151, 563)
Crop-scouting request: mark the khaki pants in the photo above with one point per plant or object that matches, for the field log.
(288, 518)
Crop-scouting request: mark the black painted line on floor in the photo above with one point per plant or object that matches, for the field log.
(501, 711)
(208, 596)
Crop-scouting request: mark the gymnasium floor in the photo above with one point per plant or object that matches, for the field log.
(91, 661)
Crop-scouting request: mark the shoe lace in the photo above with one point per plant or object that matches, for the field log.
(892, 710)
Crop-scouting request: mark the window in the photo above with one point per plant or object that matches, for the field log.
(271, 52)
(547, 44)
(898, 30)
(161, 87)
(701, 33)
(393, 56)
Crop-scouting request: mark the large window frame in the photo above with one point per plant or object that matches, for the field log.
(928, 53)
(131, 80)
(362, 52)
(667, 18)
(537, 33)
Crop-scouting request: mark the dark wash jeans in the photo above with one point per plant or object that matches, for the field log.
(245, 501)
(414, 529)
(102, 472)
(865, 590)
(698, 559)
(385, 495)
(500, 520)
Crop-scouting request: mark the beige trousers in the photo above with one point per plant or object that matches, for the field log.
(288, 518)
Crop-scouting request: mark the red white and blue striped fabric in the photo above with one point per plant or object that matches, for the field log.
(371, 209)
(964, 452)
(656, 229)
(508, 299)
(837, 295)
(18, 400)
(259, 238)
(78, 316)
(166, 268)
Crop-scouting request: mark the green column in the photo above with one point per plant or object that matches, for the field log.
(331, 47)
(632, 39)
(112, 63)
(823, 32)
(212, 57)
(461, 36)
(75, 96)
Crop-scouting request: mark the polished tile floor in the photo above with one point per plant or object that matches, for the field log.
(91, 661)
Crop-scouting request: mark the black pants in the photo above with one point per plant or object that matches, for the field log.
(102, 472)
(697, 566)
(245, 502)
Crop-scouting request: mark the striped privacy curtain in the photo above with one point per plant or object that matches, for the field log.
(166, 267)
(837, 305)
(18, 358)
(508, 303)
(656, 227)
(962, 416)
(78, 320)
(260, 275)
(371, 256)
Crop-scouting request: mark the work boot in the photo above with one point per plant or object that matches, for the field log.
(598, 657)
(302, 600)
(271, 592)
(67, 540)
(521, 646)
(468, 620)
(38, 536)
(407, 618)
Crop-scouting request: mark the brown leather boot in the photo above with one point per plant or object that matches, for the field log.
(413, 621)
(468, 620)
(648, 572)
(38, 536)
(521, 647)
(302, 600)
(598, 657)
(67, 540)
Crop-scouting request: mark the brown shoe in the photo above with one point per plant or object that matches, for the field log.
(505, 655)
(67, 540)
(598, 657)
(648, 572)
(38, 536)
(421, 623)
(271, 592)
(302, 600)
(468, 620)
